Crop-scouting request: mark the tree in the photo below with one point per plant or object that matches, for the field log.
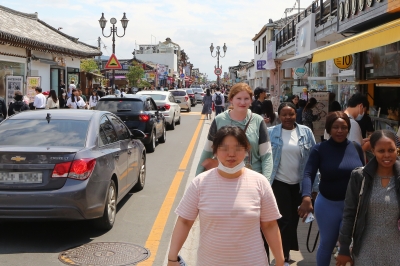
(89, 65)
(135, 75)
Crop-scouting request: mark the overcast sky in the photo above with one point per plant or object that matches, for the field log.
(193, 24)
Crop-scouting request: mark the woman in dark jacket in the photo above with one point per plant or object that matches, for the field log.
(19, 105)
(308, 116)
(371, 220)
(62, 99)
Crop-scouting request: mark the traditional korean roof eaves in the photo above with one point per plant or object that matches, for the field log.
(27, 31)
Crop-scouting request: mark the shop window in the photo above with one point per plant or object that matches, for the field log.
(318, 69)
(12, 69)
(383, 61)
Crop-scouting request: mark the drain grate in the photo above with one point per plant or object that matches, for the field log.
(105, 254)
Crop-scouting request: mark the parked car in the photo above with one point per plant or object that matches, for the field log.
(192, 97)
(183, 97)
(68, 165)
(137, 112)
(167, 105)
(199, 94)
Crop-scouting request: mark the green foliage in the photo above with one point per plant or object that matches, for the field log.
(135, 75)
(89, 65)
(143, 84)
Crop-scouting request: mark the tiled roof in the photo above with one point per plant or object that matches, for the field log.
(27, 31)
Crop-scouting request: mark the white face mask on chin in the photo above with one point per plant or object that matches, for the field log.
(229, 170)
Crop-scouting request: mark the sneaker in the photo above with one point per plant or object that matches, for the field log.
(181, 261)
(286, 264)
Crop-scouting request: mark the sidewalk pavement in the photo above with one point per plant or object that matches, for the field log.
(189, 249)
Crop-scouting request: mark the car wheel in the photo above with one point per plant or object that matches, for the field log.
(179, 121)
(106, 222)
(142, 176)
(151, 147)
(163, 138)
(172, 125)
(189, 109)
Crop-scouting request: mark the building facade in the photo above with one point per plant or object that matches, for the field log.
(33, 53)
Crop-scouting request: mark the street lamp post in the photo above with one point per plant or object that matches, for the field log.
(218, 55)
(113, 21)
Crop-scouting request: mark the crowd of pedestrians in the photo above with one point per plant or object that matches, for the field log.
(261, 171)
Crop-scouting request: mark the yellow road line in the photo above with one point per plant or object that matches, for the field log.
(191, 113)
(153, 241)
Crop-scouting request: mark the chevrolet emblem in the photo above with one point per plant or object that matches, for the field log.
(18, 158)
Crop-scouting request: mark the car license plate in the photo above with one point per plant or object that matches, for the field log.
(21, 177)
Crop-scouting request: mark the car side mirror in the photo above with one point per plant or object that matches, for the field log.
(178, 101)
(137, 134)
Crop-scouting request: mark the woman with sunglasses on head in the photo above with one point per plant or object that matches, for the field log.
(232, 203)
(372, 221)
(335, 159)
(291, 146)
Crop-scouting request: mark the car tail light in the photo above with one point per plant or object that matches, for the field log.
(144, 118)
(186, 98)
(167, 106)
(78, 169)
(202, 94)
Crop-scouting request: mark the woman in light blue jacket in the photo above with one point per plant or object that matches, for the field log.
(291, 145)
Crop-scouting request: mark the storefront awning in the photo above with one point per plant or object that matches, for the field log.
(376, 37)
(297, 61)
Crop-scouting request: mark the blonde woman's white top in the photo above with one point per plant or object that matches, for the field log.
(50, 104)
(93, 100)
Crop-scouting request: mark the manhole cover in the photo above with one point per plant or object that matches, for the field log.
(105, 254)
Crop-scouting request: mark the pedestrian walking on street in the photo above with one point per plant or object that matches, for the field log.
(371, 210)
(40, 100)
(219, 101)
(299, 111)
(52, 101)
(335, 159)
(70, 88)
(295, 100)
(308, 116)
(93, 100)
(207, 104)
(63, 99)
(229, 233)
(259, 96)
(271, 118)
(76, 102)
(260, 157)
(291, 146)
(19, 105)
(3, 109)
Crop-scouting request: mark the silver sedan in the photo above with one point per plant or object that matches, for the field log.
(167, 105)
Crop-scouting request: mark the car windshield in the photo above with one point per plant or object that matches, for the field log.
(156, 97)
(40, 133)
(189, 91)
(118, 105)
(178, 93)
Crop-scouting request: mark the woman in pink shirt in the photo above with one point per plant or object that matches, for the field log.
(231, 202)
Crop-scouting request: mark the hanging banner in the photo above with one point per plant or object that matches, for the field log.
(31, 84)
(320, 109)
(13, 84)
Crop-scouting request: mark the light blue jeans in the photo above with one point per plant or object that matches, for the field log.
(328, 214)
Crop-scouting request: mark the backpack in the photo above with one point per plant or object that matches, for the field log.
(218, 99)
